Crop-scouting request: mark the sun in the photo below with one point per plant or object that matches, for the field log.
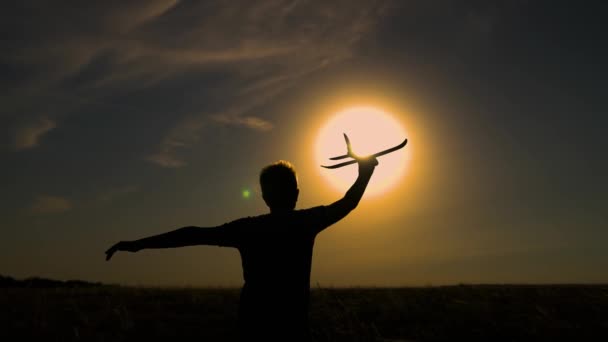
(370, 130)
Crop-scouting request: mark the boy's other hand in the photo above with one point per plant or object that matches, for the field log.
(128, 246)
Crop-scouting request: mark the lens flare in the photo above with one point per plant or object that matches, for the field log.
(246, 193)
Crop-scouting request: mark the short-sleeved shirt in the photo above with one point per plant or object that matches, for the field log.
(276, 254)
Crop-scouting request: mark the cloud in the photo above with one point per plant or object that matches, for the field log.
(166, 158)
(267, 55)
(130, 15)
(85, 54)
(182, 135)
(46, 204)
(246, 121)
(29, 136)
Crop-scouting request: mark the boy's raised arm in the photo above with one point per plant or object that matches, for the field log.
(337, 210)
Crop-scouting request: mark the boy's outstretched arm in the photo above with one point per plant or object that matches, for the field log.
(186, 236)
(337, 210)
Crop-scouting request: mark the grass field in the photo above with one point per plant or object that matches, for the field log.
(450, 313)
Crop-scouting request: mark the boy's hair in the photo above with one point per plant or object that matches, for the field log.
(279, 184)
(277, 177)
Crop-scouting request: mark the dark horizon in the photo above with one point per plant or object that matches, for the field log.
(41, 282)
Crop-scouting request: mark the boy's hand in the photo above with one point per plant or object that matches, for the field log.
(128, 246)
(367, 164)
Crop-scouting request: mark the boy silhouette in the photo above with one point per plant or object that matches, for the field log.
(275, 248)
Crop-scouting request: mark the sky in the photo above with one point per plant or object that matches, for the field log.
(119, 121)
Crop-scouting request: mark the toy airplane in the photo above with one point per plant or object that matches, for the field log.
(350, 154)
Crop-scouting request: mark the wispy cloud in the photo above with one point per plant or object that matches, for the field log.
(261, 48)
(184, 134)
(166, 158)
(29, 135)
(268, 54)
(46, 204)
(252, 122)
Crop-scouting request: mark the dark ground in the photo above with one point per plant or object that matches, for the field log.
(446, 313)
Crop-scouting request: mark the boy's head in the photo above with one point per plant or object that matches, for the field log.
(279, 184)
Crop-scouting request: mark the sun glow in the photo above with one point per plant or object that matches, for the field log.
(370, 130)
